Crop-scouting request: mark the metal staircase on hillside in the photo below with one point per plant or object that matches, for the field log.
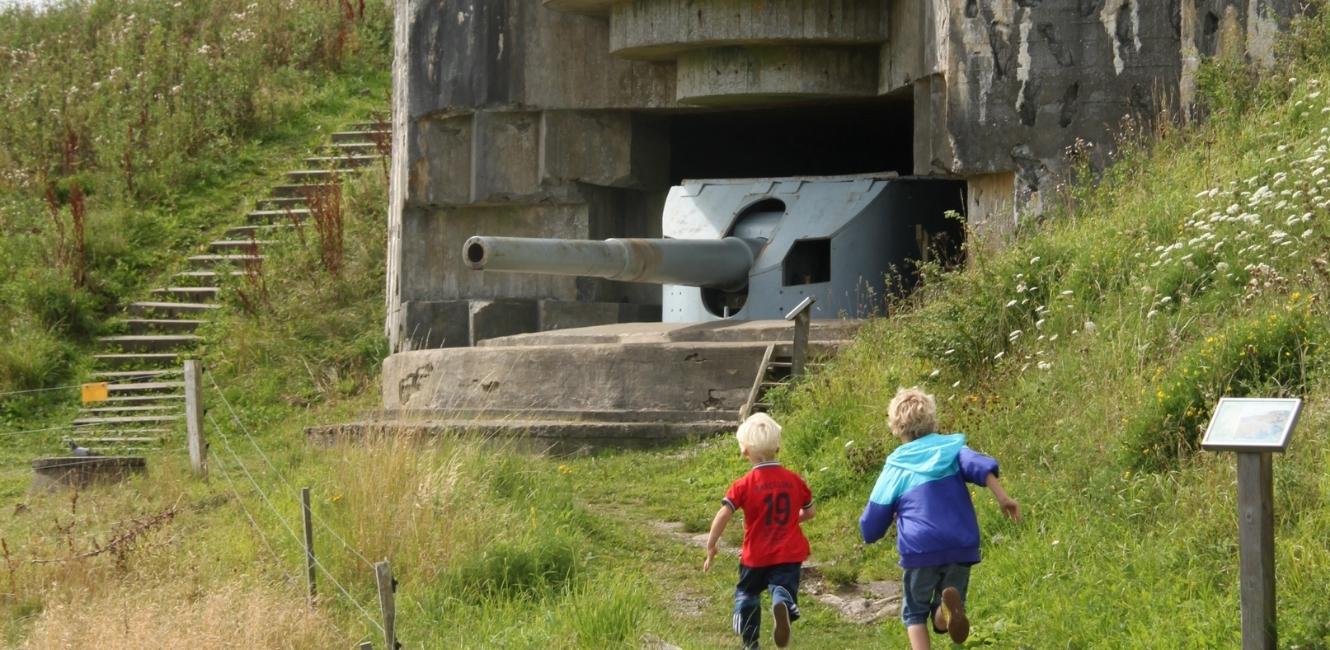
(143, 365)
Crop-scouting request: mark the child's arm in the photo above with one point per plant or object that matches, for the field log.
(807, 513)
(1009, 506)
(718, 524)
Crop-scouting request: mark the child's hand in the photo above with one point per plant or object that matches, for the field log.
(711, 555)
(1011, 509)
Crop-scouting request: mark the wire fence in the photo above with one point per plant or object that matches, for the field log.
(263, 496)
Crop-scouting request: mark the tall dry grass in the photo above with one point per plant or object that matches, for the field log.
(239, 613)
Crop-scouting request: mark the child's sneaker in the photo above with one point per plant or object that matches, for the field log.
(781, 634)
(957, 625)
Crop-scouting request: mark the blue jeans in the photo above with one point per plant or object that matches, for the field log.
(923, 589)
(781, 579)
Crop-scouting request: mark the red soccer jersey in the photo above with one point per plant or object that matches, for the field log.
(771, 497)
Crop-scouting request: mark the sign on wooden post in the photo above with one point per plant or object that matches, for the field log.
(1255, 428)
(198, 448)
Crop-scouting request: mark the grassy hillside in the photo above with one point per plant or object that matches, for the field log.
(1084, 356)
(131, 131)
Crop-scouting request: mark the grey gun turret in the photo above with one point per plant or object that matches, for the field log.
(754, 248)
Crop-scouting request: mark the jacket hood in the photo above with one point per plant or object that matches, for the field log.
(933, 455)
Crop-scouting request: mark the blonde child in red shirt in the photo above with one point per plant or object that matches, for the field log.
(774, 502)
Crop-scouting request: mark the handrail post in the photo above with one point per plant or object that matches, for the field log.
(801, 315)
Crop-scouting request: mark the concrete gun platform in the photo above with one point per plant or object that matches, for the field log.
(629, 385)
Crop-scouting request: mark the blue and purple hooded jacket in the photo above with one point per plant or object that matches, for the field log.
(923, 488)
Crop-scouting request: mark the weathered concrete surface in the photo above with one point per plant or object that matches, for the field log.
(529, 435)
(743, 75)
(753, 331)
(704, 378)
(78, 472)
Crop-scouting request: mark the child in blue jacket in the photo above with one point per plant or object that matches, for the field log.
(922, 489)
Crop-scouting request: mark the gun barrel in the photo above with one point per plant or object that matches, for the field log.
(719, 263)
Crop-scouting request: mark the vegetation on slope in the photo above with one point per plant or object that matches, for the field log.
(130, 132)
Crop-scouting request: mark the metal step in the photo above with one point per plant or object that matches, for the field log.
(385, 126)
(352, 161)
(104, 410)
(130, 419)
(151, 342)
(212, 261)
(243, 246)
(354, 148)
(365, 136)
(145, 399)
(188, 294)
(121, 375)
(296, 190)
(146, 387)
(277, 216)
(317, 176)
(150, 307)
(257, 230)
(138, 359)
(279, 203)
(121, 440)
(207, 278)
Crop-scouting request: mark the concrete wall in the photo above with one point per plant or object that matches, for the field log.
(552, 118)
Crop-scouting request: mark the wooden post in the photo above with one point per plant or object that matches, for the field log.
(1256, 550)
(367, 646)
(799, 353)
(198, 448)
(383, 576)
(310, 574)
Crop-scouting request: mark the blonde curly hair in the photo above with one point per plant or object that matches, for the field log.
(912, 413)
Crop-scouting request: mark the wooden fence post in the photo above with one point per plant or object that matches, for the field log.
(198, 447)
(1256, 550)
(310, 573)
(383, 576)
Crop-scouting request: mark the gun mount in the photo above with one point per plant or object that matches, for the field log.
(751, 249)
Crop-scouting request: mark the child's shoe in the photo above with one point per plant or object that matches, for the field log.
(958, 626)
(781, 633)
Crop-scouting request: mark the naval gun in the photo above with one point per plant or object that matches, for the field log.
(752, 249)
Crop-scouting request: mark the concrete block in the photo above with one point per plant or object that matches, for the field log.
(745, 74)
(606, 148)
(505, 156)
(431, 244)
(494, 318)
(440, 165)
(429, 324)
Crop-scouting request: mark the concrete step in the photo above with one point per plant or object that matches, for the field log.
(137, 360)
(277, 216)
(365, 136)
(188, 294)
(118, 440)
(240, 246)
(131, 431)
(354, 161)
(317, 176)
(129, 419)
(257, 230)
(173, 308)
(124, 375)
(212, 261)
(151, 342)
(205, 278)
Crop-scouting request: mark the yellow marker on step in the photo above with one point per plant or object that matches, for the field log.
(97, 392)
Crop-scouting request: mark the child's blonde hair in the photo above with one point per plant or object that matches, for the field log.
(760, 435)
(912, 413)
